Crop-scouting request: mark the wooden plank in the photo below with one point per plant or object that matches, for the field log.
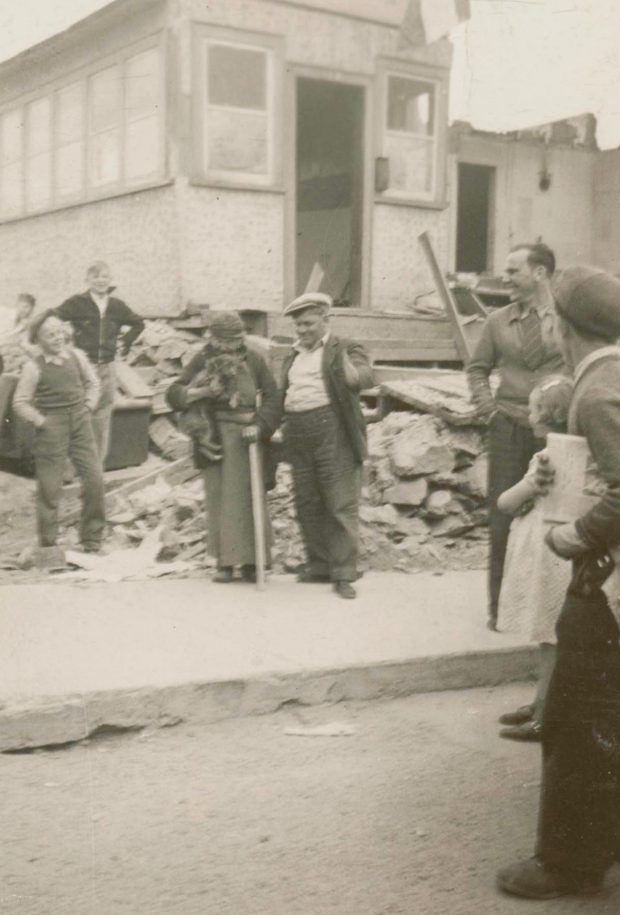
(462, 344)
(130, 382)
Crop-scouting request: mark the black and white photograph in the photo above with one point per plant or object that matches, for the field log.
(310, 457)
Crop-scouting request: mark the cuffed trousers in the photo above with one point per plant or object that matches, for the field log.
(579, 822)
(68, 434)
(327, 485)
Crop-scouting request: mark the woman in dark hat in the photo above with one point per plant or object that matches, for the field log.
(229, 399)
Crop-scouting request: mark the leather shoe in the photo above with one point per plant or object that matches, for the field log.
(224, 575)
(248, 573)
(530, 731)
(345, 589)
(520, 716)
(530, 879)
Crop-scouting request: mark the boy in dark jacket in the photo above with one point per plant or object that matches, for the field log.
(97, 319)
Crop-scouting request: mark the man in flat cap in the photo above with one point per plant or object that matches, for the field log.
(579, 819)
(326, 440)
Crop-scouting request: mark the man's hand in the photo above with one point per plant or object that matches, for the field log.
(249, 434)
(565, 542)
(351, 374)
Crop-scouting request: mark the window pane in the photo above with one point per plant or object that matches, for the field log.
(411, 164)
(411, 106)
(105, 99)
(69, 169)
(237, 141)
(142, 85)
(39, 127)
(237, 77)
(104, 158)
(69, 114)
(12, 131)
(38, 180)
(11, 189)
(142, 148)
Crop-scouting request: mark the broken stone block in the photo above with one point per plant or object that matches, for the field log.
(421, 449)
(379, 514)
(453, 525)
(440, 503)
(474, 479)
(407, 492)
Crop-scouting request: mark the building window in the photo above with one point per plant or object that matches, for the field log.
(69, 142)
(412, 135)
(12, 163)
(238, 93)
(95, 135)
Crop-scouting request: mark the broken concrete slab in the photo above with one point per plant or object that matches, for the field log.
(407, 492)
(420, 449)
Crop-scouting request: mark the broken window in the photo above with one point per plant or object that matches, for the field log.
(411, 135)
(238, 112)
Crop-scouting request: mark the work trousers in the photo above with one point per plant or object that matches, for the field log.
(102, 415)
(327, 485)
(68, 434)
(511, 448)
(579, 823)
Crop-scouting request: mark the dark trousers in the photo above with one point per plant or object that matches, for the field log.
(68, 434)
(511, 448)
(579, 822)
(327, 485)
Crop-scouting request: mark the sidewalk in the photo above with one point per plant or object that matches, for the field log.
(76, 658)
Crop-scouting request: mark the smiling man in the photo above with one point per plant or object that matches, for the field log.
(519, 342)
(326, 441)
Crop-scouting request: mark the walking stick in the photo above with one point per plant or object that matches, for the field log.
(258, 517)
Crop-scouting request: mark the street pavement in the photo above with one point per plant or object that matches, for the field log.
(411, 813)
(76, 657)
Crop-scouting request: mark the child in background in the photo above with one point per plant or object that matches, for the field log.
(535, 579)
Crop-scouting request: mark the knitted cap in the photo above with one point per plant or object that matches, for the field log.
(308, 300)
(589, 299)
(226, 325)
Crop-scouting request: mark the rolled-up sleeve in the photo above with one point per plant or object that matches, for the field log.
(23, 398)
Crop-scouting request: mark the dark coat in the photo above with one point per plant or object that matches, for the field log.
(268, 413)
(344, 400)
(95, 336)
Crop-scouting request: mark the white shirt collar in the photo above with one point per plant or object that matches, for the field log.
(302, 349)
(57, 358)
(594, 356)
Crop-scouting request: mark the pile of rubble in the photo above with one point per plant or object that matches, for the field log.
(423, 499)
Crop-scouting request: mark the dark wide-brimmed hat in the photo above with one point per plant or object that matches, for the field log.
(309, 300)
(226, 326)
(589, 299)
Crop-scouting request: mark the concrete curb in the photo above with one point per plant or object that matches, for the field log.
(47, 721)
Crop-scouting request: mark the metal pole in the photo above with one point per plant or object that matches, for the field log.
(258, 516)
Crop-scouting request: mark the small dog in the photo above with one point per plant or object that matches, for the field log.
(219, 376)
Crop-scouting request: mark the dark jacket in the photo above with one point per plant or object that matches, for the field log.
(268, 413)
(98, 337)
(595, 414)
(344, 400)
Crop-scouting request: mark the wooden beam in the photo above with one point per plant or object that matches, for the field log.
(462, 344)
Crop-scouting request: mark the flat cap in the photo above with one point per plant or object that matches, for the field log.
(307, 300)
(589, 299)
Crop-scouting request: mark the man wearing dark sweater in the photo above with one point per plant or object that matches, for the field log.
(518, 342)
(579, 821)
(57, 392)
(97, 319)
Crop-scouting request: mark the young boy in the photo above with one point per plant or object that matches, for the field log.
(97, 318)
(57, 392)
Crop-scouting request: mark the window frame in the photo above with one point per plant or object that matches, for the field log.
(437, 77)
(82, 76)
(272, 46)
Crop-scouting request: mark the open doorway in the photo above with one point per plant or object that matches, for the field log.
(474, 217)
(329, 189)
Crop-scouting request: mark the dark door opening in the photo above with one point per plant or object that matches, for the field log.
(473, 226)
(329, 186)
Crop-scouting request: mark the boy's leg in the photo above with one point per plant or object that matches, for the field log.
(102, 417)
(86, 460)
(50, 456)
